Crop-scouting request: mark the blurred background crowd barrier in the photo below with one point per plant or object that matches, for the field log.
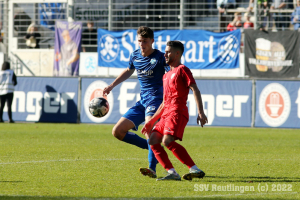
(18, 16)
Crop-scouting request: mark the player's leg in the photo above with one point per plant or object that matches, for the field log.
(162, 156)
(149, 112)
(181, 154)
(121, 132)
(174, 129)
(10, 97)
(131, 120)
(2, 104)
(151, 157)
(151, 171)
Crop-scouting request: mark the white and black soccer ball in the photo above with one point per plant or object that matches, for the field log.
(99, 107)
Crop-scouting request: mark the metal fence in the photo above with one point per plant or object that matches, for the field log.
(208, 15)
(212, 15)
(38, 16)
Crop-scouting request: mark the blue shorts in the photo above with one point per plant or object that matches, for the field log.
(138, 112)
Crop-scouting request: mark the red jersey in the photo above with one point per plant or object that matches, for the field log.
(248, 25)
(176, 89)
(232, 28)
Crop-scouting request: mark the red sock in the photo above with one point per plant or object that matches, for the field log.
(162, 156)
(181, 153)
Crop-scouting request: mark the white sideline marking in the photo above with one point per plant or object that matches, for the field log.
(74, 160)
(65, 160)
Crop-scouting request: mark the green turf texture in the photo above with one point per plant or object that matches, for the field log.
(84, 161)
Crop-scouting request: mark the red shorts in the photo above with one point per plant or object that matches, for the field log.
(172, 124)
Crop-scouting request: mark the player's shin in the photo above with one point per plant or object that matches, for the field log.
(134, 139)
(151, 158)
(162, 156)
(181, 153)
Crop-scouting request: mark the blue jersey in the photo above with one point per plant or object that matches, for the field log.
(150, 71)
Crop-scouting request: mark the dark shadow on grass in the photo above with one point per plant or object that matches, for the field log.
(246, 179)
(250, 178)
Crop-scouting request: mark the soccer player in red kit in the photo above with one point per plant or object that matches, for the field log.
(174, 116)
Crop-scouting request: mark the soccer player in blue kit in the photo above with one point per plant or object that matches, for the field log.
(150, 65)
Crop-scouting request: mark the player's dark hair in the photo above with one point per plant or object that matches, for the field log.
(5, 66)
(176, 45)
(145, 32)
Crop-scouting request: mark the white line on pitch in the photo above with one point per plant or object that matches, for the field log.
(75, 160)
(65, 160)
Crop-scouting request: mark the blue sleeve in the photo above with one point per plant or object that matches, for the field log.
(131, 66)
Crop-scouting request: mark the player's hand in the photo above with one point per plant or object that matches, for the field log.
(107, 90)
(147, 128)
(202, 119)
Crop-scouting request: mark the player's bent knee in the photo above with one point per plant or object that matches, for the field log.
(118, 133)
(167, 141)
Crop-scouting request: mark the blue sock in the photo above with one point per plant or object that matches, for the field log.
(136, 140)
(151, 158)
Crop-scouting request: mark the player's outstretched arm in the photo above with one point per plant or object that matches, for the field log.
(197, 95)
(149, 124)
(122, 77)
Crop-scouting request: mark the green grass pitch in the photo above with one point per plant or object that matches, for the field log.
(84, 161)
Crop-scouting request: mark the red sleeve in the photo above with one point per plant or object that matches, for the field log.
(187, 76)
(229, 27)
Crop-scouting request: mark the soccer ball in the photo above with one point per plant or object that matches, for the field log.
(99, 107)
